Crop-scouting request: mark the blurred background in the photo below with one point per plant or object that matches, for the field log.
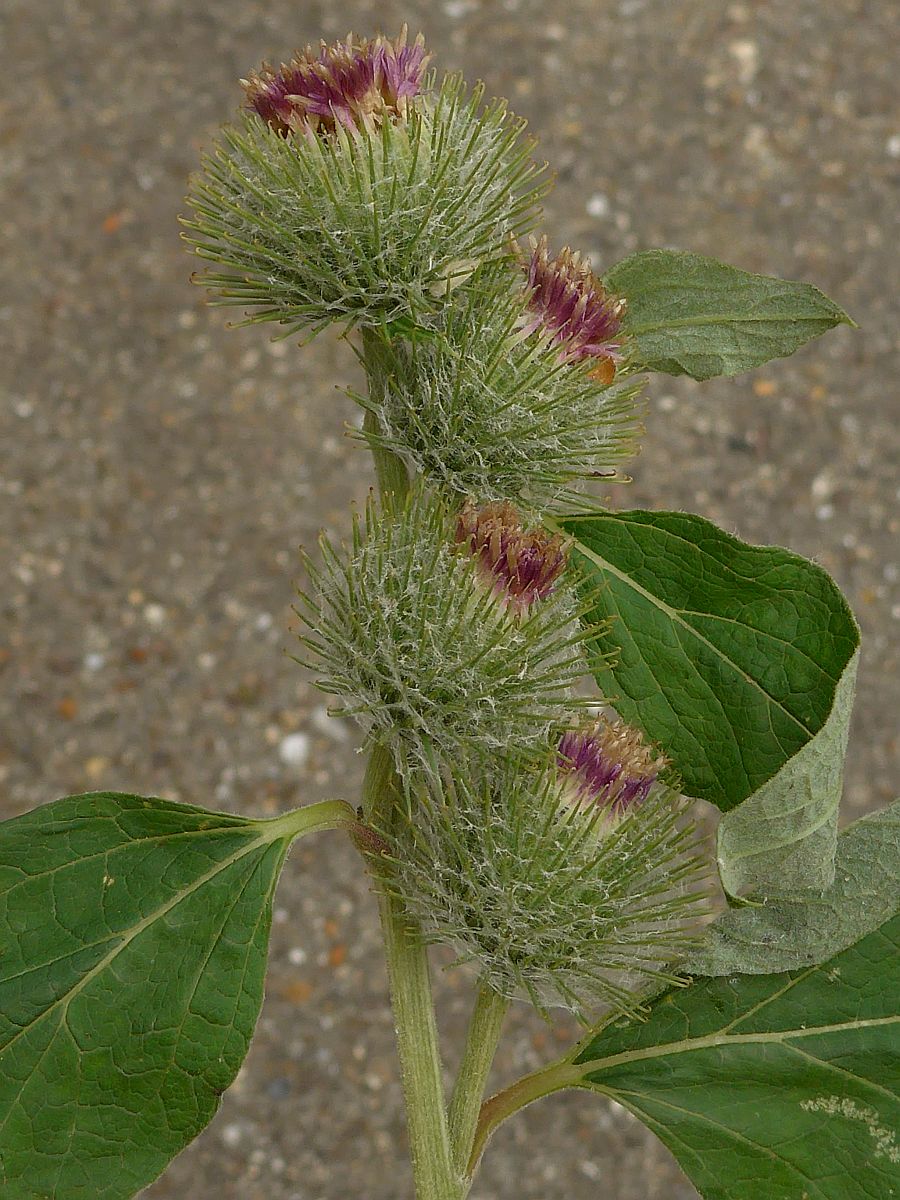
(159, 471)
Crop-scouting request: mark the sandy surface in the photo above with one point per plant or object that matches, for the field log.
(159, 471)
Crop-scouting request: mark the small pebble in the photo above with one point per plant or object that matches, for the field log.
(598, 205)
(293, 750)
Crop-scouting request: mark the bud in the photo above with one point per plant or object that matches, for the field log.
(491, 864)
(430, 661)
(355, 84)
(606, 768)
(520, 566)
(569, 303)
(482, 409)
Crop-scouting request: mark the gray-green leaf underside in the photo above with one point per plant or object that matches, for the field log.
(783, 838)
(690, 315)
(729, 656)
(792, 932)
(133, 941)
(778, 1086)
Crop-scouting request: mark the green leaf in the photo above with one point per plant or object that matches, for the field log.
(793, 932)
(133, 939)
(690, 315)
(728, 656)
(775, 1086)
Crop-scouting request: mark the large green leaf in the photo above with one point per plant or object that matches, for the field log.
(727, 655)
(797, 931)
(776, 1086)
(690, 315)
(133, 938)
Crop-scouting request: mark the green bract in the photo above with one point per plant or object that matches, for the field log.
(402, 626)
(481, 408)
(363, 227)
(548, 904)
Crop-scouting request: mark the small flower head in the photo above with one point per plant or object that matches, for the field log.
(351, 191)
(355, 84)
(607, 766)
(428, 660)
(546, 910)
(520, 565)
(569, 303)
(482, 409)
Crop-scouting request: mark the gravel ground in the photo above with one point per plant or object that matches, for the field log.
(159, 471)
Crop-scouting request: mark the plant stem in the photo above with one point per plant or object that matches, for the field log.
(414, 1020)
(558, 1075)
(390, 470)
(405, 951)
(481, 1045)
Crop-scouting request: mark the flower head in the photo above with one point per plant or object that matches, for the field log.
(353, 83)
(608, 765)
(486, 861)
(521, 565)
(568, 302)
(401, 627)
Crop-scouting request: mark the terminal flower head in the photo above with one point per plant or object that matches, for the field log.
(521, 565)
(568, 302)
(355, 83)
(609, 765)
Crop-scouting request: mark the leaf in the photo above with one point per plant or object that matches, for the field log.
(776, 1086)
(690, 315)
(727, 655)
(785, 934)
(133, 939)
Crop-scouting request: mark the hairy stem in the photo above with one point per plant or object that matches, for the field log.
(414, 1020)
(390, 470)
(405, 951)
(481, 1045)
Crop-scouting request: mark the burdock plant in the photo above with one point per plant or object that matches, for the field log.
(547, 689)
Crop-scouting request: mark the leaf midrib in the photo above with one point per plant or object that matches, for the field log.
(721, 319)
(721, 1039)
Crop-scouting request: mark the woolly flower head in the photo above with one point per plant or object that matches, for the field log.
(355, 191)
(482, 406)
(550, 901)
(356, 83)
(434, 652)
(569, 303)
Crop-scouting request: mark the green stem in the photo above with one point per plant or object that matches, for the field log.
(405, 951)
(533, 1087)
(390, 470)
(414, 1019)
(481, 1045)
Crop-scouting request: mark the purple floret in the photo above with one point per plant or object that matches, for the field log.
(609, 765)
(569, 303)
(352, 83)
(521, 565)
